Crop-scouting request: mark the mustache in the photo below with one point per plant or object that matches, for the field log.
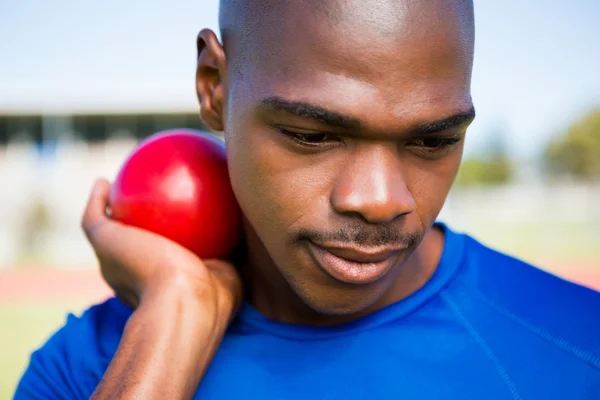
(361, 235)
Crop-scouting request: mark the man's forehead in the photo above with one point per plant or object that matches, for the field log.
(363, 83)
(373, 78)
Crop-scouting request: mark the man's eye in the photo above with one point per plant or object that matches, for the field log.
(435, 143)
(312, 138)
(309, 139)
(434, 147)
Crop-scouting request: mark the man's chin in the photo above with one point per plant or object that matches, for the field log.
(346, 304)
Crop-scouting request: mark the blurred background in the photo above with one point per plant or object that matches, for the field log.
(82, 82)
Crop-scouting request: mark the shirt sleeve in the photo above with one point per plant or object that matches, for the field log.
(72, 362)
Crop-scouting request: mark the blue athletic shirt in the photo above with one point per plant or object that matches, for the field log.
(486, 326)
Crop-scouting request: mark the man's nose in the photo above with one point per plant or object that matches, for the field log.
(373, 185)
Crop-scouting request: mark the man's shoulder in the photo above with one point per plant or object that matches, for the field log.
(555, 310)
(73, 360)
(499, 275)
(99, 328)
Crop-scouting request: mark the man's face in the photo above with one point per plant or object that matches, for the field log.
(344, 133)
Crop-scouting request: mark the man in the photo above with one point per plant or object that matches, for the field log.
(344, 122)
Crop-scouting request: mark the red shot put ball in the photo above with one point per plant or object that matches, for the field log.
(176, 184)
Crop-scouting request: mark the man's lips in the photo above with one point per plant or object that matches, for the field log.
(354, 265)
(362, 255)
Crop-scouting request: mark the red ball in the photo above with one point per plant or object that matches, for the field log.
(176, 184)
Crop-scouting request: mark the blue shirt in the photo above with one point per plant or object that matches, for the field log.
(486, 326)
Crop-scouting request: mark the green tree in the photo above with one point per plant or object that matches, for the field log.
(576, 152)
(479, 171)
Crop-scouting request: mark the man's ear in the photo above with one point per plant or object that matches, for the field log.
(209, 84)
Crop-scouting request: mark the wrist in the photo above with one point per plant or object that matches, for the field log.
(173, 292)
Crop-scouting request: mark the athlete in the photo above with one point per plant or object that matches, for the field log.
(344, 123)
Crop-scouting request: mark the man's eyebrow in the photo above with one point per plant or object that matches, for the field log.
(446, 123)
(334, 119)
(312, 111)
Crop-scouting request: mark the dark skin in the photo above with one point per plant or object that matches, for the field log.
(385, 141)
(344, 123)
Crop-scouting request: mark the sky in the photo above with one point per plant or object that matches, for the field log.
(537, 63)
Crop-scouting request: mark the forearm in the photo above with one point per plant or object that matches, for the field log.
(166, 347)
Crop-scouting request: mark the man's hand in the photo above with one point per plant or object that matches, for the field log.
(135, 262)
(182, 306)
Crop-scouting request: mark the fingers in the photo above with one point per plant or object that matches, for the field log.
(95, 211)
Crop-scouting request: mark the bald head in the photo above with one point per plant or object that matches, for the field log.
(249, 28)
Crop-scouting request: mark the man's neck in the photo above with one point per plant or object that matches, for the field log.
(269, 292)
